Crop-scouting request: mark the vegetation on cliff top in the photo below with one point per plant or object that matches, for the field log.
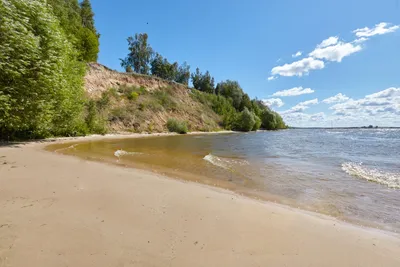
(44, 45)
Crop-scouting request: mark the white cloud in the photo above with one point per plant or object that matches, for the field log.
(298, 68)
(336, 99)
(273, 102)
(383, 103)
(381, 108)
(271, 78)
(328, 42)
(294, 92)
(302, 106)
(379, 29)
(298, 53)
(387, 93)
(360, 40)
(335, 52)
(331, 49)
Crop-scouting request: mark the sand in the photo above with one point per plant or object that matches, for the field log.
(58, 210)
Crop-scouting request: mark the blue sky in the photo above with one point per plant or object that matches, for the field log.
(251, 41)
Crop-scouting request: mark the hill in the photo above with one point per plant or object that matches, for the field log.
(140, 103)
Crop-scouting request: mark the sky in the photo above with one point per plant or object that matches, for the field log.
(317, 63)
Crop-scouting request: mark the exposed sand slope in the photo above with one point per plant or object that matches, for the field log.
(62, 211)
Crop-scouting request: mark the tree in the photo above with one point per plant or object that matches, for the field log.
(41, 81)
(203, 82)
(245, 102)
(183, 74)
(231, 89)
(160, 67)
(89, 45)
(77, 21)
(87, 16)
(140, 54)
(245, 121)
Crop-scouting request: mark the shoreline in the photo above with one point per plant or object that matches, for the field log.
(75, 206)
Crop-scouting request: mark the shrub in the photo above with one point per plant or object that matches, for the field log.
(133, 96)
(177, 126)
(257, 124)
(245, 121)
(41, 80)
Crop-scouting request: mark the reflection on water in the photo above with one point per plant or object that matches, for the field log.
(350, 174)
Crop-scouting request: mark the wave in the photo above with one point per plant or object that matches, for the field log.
(119, 153)
(65, 148)
(225, 163)
(389, 179)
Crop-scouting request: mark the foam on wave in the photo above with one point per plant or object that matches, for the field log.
(389, 179)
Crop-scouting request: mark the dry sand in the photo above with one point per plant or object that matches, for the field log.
(62, 211)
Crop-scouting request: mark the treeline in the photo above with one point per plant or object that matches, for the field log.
(44, 45)
(227, 98)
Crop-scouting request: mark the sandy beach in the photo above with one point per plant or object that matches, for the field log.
(59, 210)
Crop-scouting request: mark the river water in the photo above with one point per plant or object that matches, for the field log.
(351, 174)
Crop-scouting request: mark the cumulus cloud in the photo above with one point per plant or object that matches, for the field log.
(295, 91)
(336, 99)
(298, 53)
(302, 106)
(385, 102)
(273, 102)
(379, 29)
(360, 40)
(335, 52)
(387, 93)
(271, 78)
(298, 68)
(328, 42)
(331, 49)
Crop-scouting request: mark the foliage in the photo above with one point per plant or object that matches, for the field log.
(88, 45)
(203, 82)
(94, 121)
(160, 67)
(140, 53)
(245, 121)
(257, 123)
(77, 21)
(41, 81)
(183, 74)
(177, 126)
(87, 15)
(231, 89)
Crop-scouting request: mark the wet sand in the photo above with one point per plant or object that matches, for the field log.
(63, 211)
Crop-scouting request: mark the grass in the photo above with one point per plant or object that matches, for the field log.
(177, 126)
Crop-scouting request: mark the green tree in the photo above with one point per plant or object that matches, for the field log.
(160, 67)
(245, 121)
(87, 16)
(140, 53)
(183, 74)
(41, 81)
(77, 22)
(245, 103)
(203, 82)
(231, 89)
(88, 46)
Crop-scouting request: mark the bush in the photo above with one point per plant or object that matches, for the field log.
(177, 126)
(41, 80)
(257, 124)
(245, 121)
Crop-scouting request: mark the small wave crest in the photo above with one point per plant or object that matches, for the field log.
(119, 153)
(225, 163)
(65, 148)
(389, 179)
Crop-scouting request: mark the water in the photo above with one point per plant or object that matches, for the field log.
(352, 174)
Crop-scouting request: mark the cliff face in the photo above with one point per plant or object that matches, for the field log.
(141, 103)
